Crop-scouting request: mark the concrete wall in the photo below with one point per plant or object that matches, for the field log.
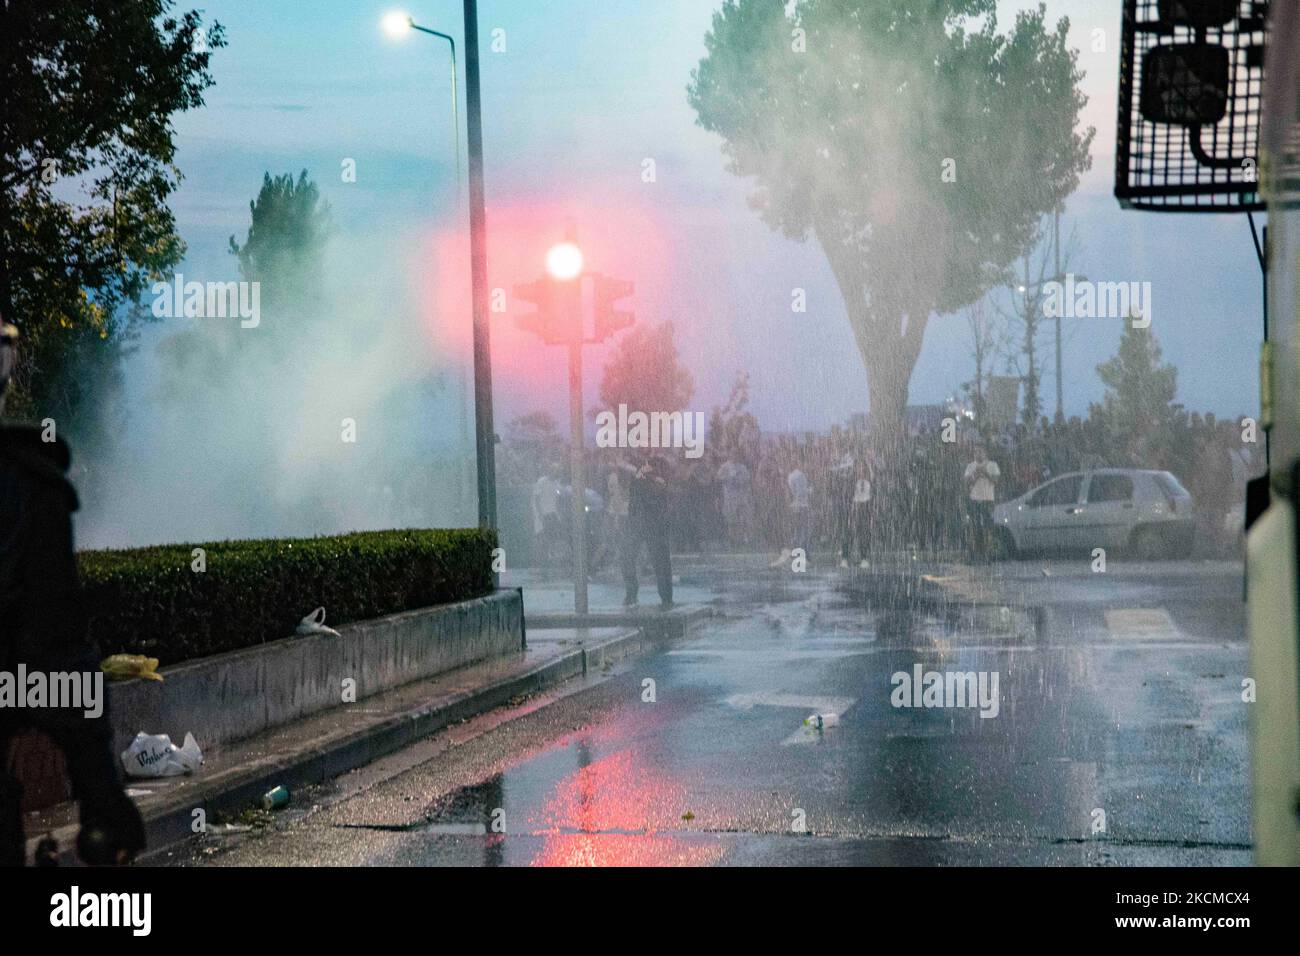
(235, 695)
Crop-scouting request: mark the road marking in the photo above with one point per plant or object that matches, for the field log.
(773, 657)
(457, 829)
(1142, 622)
(802, 648)
(812, 705)
(809, 705)
(808, 735)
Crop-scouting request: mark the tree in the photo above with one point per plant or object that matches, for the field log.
(988, 337)
(243, 389)
(1138, 413)
(917, 147)
(733, 430)
(286, 240)
(1041, 264)
(283, 253)
(86, 167)
(532, 442)
(645, 373)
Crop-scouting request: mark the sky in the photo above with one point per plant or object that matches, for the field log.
(582, 93)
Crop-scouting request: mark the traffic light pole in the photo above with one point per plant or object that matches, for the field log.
(578, 479)
(558, 321)
(1056, 246)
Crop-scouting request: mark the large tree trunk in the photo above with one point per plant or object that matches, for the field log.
(888, 321)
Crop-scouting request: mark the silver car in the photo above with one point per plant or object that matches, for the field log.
(1147, 513)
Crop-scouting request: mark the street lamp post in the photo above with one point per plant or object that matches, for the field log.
(484, 434)
(396, 24)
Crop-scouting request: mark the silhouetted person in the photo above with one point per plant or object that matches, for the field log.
(648, 527)
(840, 492)
(547, 528)
(801, 490)
(737, 500)
(981, 477)
(43, 628)
(617, 487)
(862, 511)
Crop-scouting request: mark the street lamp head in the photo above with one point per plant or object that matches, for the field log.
(396, 24)
(564, 261)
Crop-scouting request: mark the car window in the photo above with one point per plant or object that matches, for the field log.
(1110, 488)
(1062, 491)
(1170, 485)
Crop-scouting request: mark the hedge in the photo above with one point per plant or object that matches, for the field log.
(150, 601)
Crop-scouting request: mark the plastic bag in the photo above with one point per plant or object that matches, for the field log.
(154, 755)
(126, 666)
(314, 623)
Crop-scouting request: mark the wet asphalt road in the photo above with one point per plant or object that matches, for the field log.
(1120, 738)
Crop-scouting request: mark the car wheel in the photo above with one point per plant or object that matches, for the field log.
(1148, 544)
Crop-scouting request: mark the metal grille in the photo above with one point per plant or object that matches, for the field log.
(1172, 168)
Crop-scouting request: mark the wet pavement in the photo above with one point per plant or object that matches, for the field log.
(1117, 735)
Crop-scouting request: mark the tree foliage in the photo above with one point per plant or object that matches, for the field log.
(915, 142)
(645, 372)
(1138, 412)
(733, 429)
(286, 239)
(284, 253)
(86, 168)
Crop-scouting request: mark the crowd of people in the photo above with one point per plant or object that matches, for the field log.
(831, 492)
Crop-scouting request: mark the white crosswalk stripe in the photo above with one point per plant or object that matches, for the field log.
(1143, 623)
(808, 704)
(813, 705)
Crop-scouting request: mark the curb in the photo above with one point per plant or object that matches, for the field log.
(169, 822)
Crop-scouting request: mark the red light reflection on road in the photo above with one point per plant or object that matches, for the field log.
(618, 809)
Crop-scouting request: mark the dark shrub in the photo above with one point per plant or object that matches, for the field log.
(149, 601)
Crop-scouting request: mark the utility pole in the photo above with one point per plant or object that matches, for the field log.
(1056, 271)
(397, 24)
(1032, 407)
(578, 479)
(484, 434)
(571, 321)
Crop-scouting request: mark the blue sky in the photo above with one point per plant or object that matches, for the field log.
(584, 91)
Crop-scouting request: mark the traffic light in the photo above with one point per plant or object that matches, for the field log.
(605, 293)
(556, 318)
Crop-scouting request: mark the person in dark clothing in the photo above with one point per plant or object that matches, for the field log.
(648, 526)
(43, 628)
(840, 494)
(863, 509)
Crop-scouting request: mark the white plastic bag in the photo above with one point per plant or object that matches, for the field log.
(154, 755)
(314, 623)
